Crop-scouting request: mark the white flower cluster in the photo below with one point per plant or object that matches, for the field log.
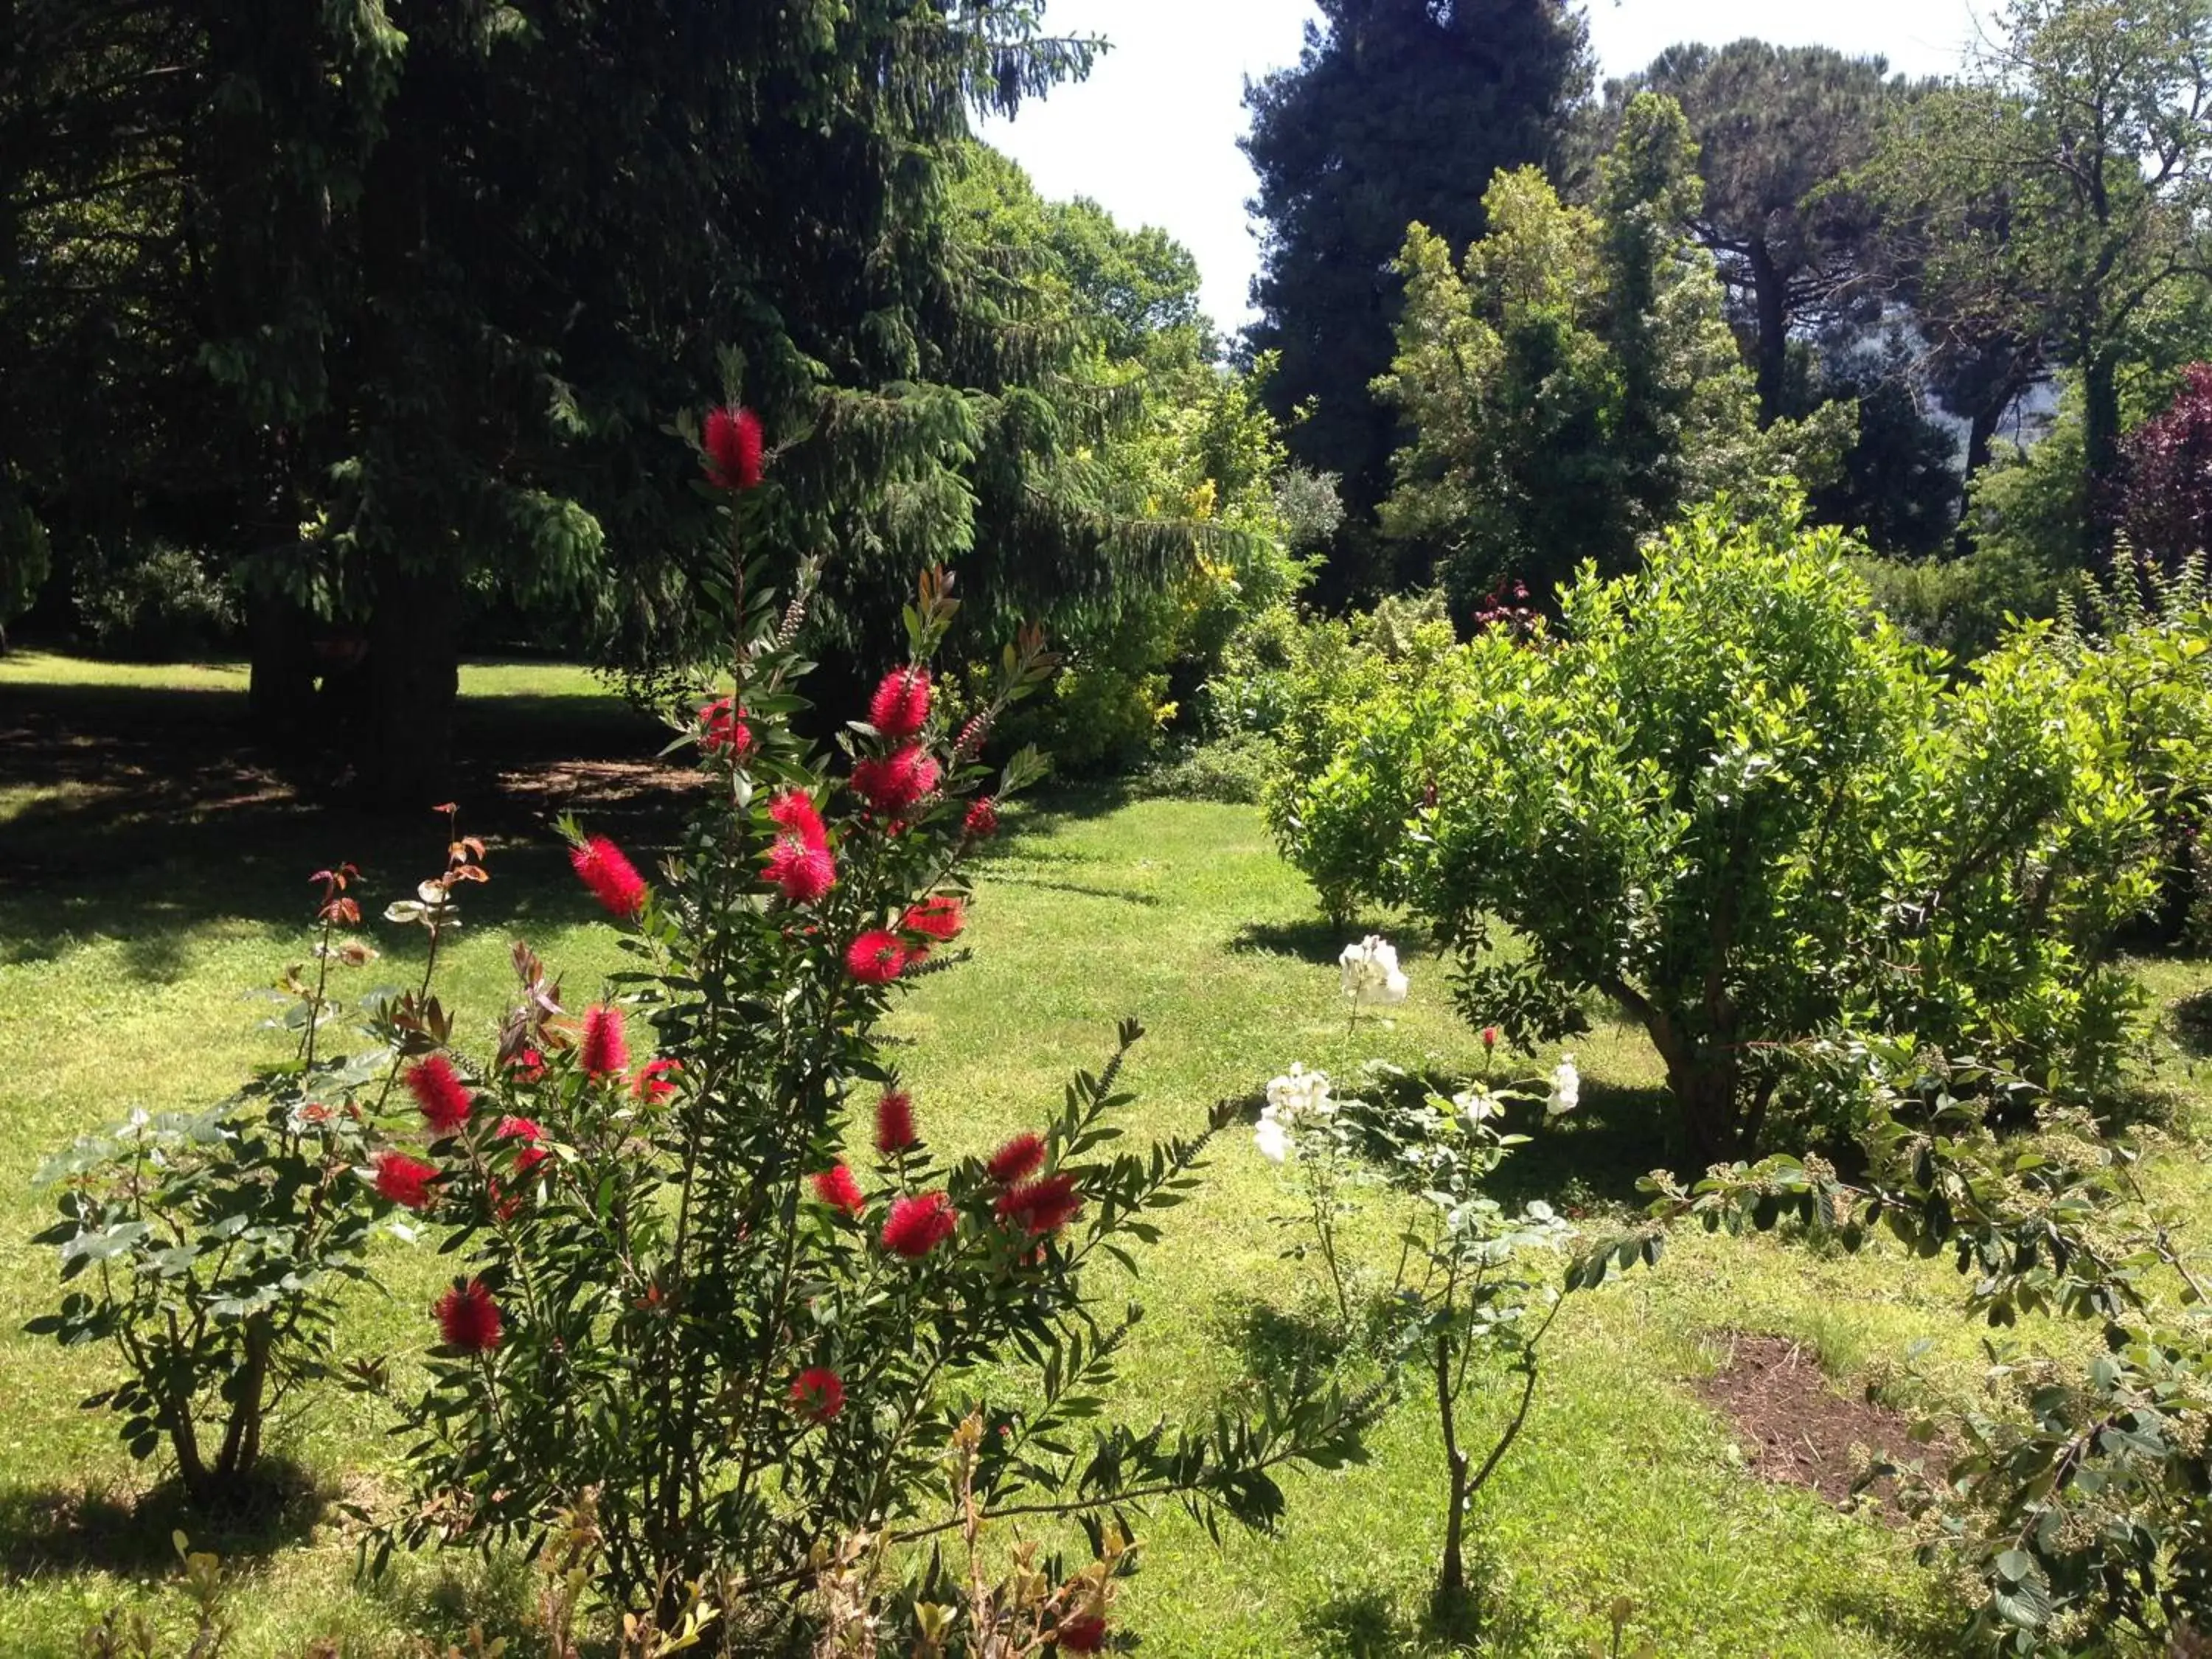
(1298, 1096)
(1566, 1088)
(1371, 973)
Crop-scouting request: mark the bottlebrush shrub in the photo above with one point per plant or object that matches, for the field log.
(210, 1246)
(747, 1311)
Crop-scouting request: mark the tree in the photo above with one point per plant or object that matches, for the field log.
(2058, 194)
(2167, 508)
(1778, 129)
(439, 280)
(1578, 386)
(1397, 111)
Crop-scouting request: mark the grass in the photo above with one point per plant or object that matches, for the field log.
(127, 936)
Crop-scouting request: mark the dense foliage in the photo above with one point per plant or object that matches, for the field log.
(1398, 111)
(1578, 387)
(1726, 799)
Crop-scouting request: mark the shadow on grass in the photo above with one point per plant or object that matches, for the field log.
(1384, 1622)
(54, 1531)
(2192, 1023)
(150, 814)
(1281, 1345)
(1317, 941)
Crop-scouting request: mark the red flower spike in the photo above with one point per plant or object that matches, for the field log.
(895, 1130)
(606, 1052)
(939, 917)
(1083, 1635)
(801, 874)
(1042, 1207)
(528, 1066)
(817, 1393)
(835, 1187)
(1018, 1160)
(405, 1180)
(723, 730)
(982, 821)
(919, 1224)
(469, 1320)
(732, 443)
(795, 812)
(876, 957)
(439, 1092)
(614, 881)
(527, 1131)
(656, 1079)
(901, 706)
(969, 744)
(891, 784)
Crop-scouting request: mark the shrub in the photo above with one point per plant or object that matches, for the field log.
(1234, 769)
(684, 1289)
(2166, 505)
(210, 1246)
(1724, 799)
(157, 605)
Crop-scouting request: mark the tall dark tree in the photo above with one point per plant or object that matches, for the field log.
(1778, 129)
(429, 280)
(1397, 111)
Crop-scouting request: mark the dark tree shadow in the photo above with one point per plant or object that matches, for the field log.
(2192, 1023)
(57, 1531)
(162, 815)
(1317, 941)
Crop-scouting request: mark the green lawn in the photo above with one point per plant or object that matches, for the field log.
(125, 944)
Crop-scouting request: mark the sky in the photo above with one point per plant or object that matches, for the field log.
(1151, 136)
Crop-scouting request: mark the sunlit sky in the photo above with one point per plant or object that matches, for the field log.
(1152, 134)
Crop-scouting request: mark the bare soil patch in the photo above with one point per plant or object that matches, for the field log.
(1793, 1424)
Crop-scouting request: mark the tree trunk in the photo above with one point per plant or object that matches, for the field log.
(1451, 1576)
(413, 669)
(281, 691)
(2100, 444)
(1769, 296)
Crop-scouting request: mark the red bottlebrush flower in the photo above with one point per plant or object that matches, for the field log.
(723, 730)
(892, 783)
(818, 1393)
(656, 1079)
(876, 957)
(982, 821)
(469, 1319)
(528, 1066)
(732, 443)
(836, 1187)
(606, 1052)
(794, 811)
(1083, 1635)
(439, 1090)
(1018, 1160)
(901, 706)
(527, 1131)
(802, 873)
(405, 1180)
(919, 1224)
(614, 881)
(941, 917)
(1042, 1207)
(895, 1130)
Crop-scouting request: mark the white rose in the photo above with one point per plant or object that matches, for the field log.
(1272, 1139)
(1369, 974)
(1566, 1088)
(1477, 1104)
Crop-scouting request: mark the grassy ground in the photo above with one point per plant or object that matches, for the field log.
(135, 910)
